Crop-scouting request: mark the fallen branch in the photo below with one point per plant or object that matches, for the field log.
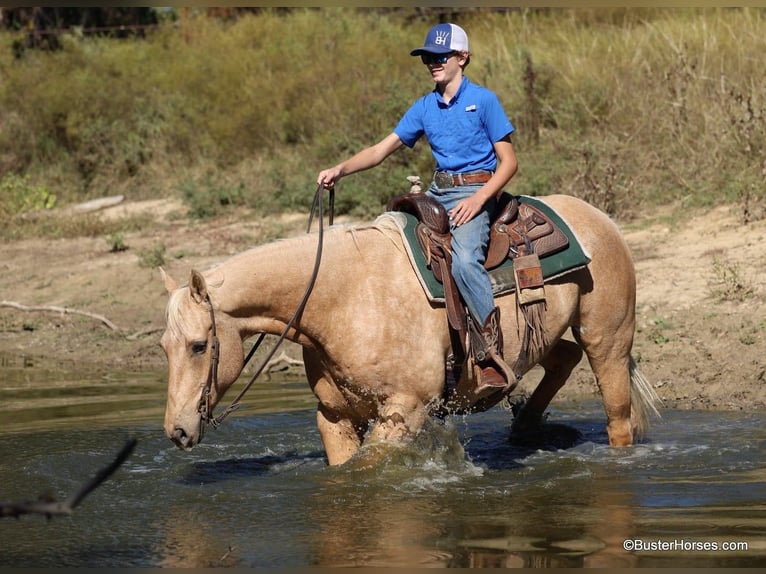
(282, 363)
(64, 310)
(144, 332)
(51, 507)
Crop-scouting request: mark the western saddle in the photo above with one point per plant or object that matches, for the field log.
(520, 232)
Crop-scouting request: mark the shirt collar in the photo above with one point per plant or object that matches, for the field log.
(456, 98)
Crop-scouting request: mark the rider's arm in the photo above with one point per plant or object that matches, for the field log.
(365, 159)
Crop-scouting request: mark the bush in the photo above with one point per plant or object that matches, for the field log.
(18, 195)
(208, 198)
(626, 107)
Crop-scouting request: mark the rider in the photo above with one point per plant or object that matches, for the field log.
(469, 134)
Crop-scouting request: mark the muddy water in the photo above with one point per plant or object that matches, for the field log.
(258, 492)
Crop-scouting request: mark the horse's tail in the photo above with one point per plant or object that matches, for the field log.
(644, 401)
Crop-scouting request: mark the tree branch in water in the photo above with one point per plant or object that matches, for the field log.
(49, 507)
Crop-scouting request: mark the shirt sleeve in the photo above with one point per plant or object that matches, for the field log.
(495, 119)
(410, 127)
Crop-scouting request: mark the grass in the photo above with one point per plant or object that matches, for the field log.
(658, 333)
(152, 257)
(626, 108)
(54, 226)
(116, 242)
(729, 282)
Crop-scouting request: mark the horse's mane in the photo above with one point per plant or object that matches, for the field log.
(385, 224)
(173, 322)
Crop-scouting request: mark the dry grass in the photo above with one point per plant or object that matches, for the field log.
(623, 107)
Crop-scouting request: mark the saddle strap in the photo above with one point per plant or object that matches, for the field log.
(433, 234)
(437, 248)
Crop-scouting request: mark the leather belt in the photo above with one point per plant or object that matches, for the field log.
(445, 179)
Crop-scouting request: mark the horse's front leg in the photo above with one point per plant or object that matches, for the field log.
(340, 436)
(341, 431)
(400, 418)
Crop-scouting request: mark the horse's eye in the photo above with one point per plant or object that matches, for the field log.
(199, 347)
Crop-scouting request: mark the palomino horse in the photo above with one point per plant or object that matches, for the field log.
(374, 348)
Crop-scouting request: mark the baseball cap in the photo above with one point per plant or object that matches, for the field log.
(443, 39)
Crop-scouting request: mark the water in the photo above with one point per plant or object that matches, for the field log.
(257, 492)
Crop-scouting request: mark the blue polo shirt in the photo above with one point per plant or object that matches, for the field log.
(461, 133)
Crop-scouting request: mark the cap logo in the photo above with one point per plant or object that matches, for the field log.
(441, 38)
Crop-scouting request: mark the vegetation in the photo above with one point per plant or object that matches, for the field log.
(626, 108)
(729, 282)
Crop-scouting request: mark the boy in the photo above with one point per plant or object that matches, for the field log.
(469, 134)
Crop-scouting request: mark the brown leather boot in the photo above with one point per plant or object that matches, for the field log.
(495, 372)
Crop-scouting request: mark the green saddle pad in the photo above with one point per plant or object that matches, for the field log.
(555, 265)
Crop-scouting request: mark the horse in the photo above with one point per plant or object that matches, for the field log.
(374, 347)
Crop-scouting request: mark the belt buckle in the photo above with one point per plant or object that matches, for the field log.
(443, 179)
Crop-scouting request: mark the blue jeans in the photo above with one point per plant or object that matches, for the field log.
(469, 251)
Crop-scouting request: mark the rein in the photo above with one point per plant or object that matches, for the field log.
(205, 405)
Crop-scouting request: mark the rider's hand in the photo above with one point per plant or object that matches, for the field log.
(466, 210)
(329, 177)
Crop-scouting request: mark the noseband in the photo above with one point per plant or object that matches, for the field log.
(205, 406)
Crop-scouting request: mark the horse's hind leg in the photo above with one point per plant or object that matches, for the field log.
(611, 368)
(613, 378)
(558, 365)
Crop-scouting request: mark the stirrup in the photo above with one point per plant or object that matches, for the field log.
(486, 349)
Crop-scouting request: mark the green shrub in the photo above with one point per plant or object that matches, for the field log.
(116, 242)
(152, 257)
(729, 282)
(670, 105)
(207, 198)
(18, 195)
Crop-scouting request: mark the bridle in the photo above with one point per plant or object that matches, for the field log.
(205, 406)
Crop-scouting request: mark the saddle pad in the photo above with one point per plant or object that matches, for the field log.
(503, 281)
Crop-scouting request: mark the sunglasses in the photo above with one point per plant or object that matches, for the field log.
(429, 59)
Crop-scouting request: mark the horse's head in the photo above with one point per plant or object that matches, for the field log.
(193, 323)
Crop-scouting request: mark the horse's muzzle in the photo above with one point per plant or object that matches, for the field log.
(181, 439)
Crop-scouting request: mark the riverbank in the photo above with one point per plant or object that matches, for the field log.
(701, 335)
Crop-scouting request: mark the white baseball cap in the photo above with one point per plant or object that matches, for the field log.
(443, 39)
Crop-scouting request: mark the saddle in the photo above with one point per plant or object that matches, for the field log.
(520, 224)
(519, 231)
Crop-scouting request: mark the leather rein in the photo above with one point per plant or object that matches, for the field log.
(205, 407)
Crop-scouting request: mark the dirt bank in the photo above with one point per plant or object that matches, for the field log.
(701, 336)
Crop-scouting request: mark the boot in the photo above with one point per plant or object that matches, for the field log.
(495, 372)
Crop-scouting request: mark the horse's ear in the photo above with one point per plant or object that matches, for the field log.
(197, 286)
(170, 283)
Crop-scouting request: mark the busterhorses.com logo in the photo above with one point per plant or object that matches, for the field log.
(441, 38)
